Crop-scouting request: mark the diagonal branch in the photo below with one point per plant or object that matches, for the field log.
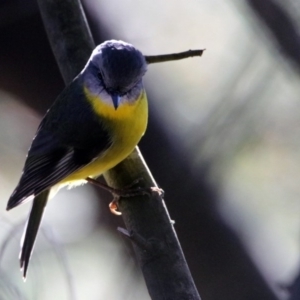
(164, 267)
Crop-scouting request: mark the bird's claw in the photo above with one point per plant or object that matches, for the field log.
(126, 192)
(113, 206)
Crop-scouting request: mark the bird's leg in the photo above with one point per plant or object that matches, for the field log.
(103, 185)
(128, 191)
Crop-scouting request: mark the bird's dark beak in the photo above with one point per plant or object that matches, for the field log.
(116, 100)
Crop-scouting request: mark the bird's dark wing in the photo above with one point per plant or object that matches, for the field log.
(69, 137)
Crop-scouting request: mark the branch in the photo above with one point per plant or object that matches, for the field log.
(174, 56)
(281, 26)
(166, 273)
(69, 35)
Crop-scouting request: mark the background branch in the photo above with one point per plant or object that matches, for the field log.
(281, 26)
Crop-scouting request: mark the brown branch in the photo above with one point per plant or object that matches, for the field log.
(174, 56)
(136, 238)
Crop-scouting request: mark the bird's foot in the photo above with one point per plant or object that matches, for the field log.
(126, 192)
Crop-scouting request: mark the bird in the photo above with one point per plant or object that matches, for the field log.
(93, 124)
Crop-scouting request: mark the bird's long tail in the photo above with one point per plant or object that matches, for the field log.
(31, 229)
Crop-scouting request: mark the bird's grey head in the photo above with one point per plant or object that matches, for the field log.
(121, 66)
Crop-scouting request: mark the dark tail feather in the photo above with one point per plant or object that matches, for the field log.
(31, 229)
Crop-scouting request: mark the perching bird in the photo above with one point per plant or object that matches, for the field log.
(92, 126)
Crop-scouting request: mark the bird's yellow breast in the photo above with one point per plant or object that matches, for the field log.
(126, 126)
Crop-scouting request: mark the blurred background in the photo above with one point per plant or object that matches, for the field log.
(222, 141)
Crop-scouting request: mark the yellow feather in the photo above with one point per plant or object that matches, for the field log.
(126, 125)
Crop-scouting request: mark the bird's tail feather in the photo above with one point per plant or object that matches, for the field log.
(31, 229)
